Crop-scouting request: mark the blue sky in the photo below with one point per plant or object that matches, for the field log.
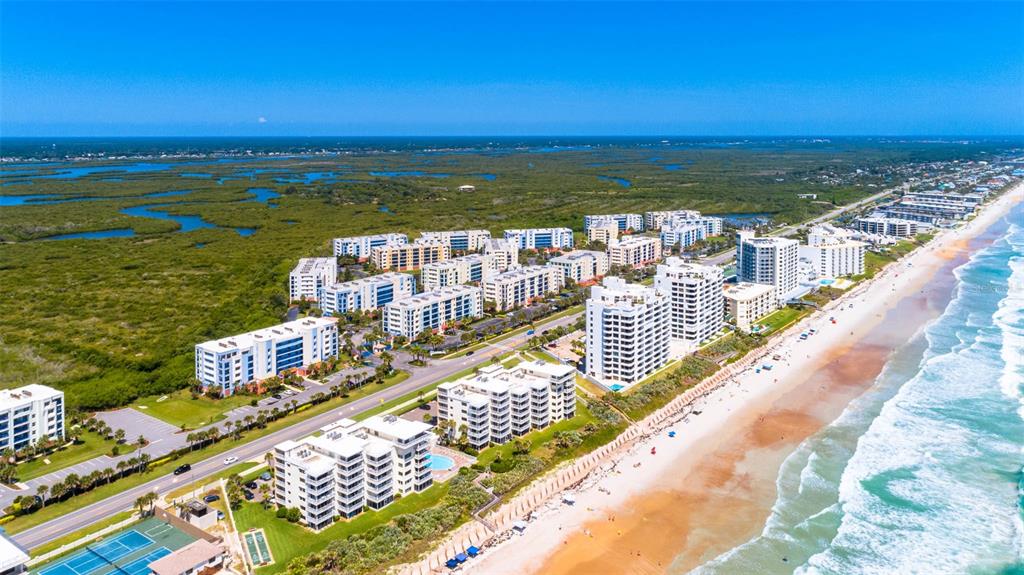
(264, 68)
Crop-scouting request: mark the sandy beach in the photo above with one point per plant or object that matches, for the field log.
(711, 486)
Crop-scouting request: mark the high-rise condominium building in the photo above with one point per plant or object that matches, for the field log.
(460, 270)
(310, 276)
(634, 251)
(832, 253)
(352, 466)
(540, 238)
(581, 265)
(695, 298)
(410, 256)
(30, 413)
(231, 362)
(627, 332)
(432, 310)
(768, 260)
(368, 293)
(361, 246)
(458, 240)
(519, 286)
(497, 404)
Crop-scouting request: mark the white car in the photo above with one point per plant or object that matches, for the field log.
(230, 460)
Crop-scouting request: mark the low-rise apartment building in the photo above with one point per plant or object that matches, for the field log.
(458, 240)
(894, 227)
(605, 233)
(519, 286)
(460, 270)
(410, 256)
(624, 222)
(361, 246)
(310, 276)
(695, 298)
(30, 413)
(229, 363)
(581, 265)
(682, 234)
(634, 251)
(367, 294)
(497, 404)
(832, 253)
(352, 466)
(655, 220)
(749, 302)
(540, 238)
(504, 252)
(432, 310)
(628, 332)
(712, 226)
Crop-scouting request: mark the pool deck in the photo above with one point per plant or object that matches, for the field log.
(461, 460)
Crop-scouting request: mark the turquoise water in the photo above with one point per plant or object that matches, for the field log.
(922, 474)
(439, 462)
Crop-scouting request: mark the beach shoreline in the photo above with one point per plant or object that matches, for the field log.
(711, 487)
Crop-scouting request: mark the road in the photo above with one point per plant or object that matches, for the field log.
(255, 449)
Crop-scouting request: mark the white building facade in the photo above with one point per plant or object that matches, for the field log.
(497, 404)
(655, 220)
(675, 233)
(695, 298)
(504, 252)
(628, 332)
(352, 466)
(473, 268)
(367, 294)
(634, 251)
(310, 276)
(832, 253)
(541, 238)
(361, 246)
(519, 286)
(894, 227)
(458, 240)
(432, 310)
(768, 260)
(232, 362)
(624, 222)
(749, 302)
(581, 265)
(30, 413)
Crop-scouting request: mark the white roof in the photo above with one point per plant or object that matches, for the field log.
(11, 555)
(391, 426)
(282, 331)
(747, 291)
(572, 256)
(24, 395)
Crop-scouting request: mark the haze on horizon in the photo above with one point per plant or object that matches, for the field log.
(275, 69)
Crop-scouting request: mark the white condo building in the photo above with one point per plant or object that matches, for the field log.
(361, 246)
(231, 362)
(504, 252)
(894, 227)
(681, 234)
(497, 404)
(748, 302)
(655, 220)
(605, 233)
(517, 287)
(622, 221)
(581, 265)
(832, 253)
(768, 260)
(310, 276)
(627, 332)
(634, 251)
(432, 310)
(30, 413)
(366, 294)
(460, 240)
(461, 270)
(352, 466)
(540, 238)
(695, 298)
(712, 225)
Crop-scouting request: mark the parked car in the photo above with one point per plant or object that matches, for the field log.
(211, 498)
(184, 468)
(230, 460)
(251, 484)
(248, 495)
(470, 352)
(265, 476)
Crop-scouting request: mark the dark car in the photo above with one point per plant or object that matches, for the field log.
(185, 468)
(211, 498)
(251, 484)
(470, 352)
(248, 495)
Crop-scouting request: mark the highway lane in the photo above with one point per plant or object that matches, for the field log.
(255, 449)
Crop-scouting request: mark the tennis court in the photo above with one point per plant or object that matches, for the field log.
(126, 553)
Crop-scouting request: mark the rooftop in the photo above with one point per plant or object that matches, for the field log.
(746, 291)
(434, 296)
(196, 553)
(285, 330)
(22, 395)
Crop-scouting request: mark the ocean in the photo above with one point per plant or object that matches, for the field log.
(924, 473)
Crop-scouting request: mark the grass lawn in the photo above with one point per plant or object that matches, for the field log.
(92, 446)
(180, 410)
(781, 319)
(76, 535)
(290, 540)
(57, 510)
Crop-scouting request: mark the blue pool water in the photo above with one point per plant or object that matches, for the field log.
(827, 282)
(439, 462)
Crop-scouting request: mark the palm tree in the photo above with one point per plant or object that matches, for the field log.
(386, 359)
(119, 436)
(191, 440)
(41, 492)
(73, 482)
(141, 441)
(121, 466)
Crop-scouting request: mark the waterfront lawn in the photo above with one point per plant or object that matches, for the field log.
(290, 540)
(180, 410)
(783, 318)
(92, 446)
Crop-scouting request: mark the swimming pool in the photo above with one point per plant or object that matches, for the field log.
(827, 282)
(439, 462)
